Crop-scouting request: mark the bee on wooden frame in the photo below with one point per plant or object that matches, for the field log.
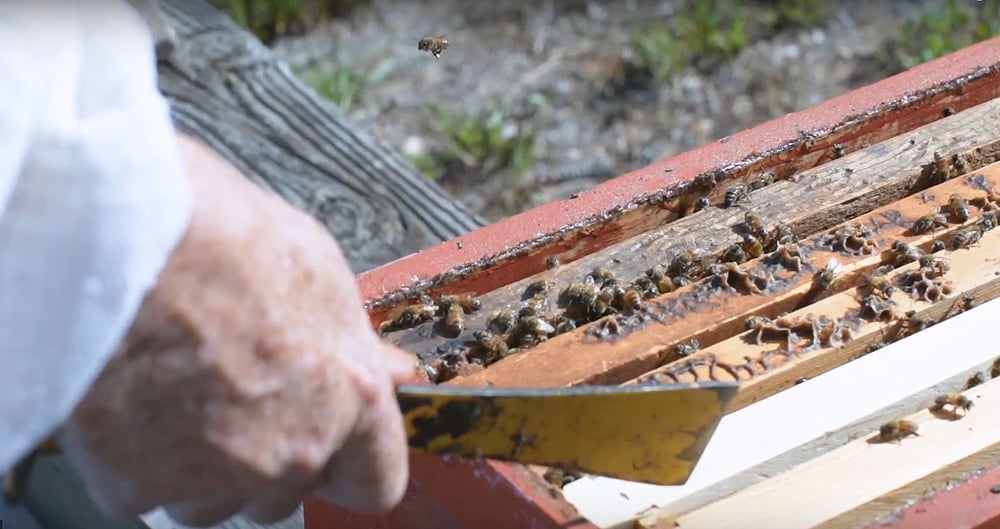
(957, 401)
(827, 275)
(468, 302)
(433, 45)
(894, 431)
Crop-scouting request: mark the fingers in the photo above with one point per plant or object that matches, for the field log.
(402, 366)
(370, 472)
(202, 513)
(278, 505)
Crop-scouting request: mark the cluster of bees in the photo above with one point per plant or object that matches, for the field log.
(896, 430)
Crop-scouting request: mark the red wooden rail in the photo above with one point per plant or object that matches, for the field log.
(484, 494)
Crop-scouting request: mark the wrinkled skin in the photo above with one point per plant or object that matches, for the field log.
(250, 378)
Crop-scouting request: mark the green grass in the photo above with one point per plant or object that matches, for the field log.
(939, 32)
(271, 19)
(341, 82)
(703, 33)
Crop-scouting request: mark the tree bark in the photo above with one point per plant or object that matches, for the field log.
(231, 91)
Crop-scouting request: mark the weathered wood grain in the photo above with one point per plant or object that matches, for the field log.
(818, 200)
(769, 368)
(819, 415)
(230, 91)
(836, 489)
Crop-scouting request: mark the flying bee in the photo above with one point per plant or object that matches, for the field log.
(966, 238)
(502, 321)
(878, 284)
(934, 265)
(735, 194)
(894, 431)
(454, 323)
(733, 254)
(752, 246)
(959, 207)
(433, 45)
(409, 316)
(928, 222)
(494, 346)
(906, 252)
(468, 302)
(827, 275)
(957, 401)
(763, 179)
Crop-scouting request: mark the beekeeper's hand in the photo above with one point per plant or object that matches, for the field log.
(250, 377)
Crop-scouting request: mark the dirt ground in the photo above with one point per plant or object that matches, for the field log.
(560, 75)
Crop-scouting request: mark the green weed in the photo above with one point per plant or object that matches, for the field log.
(342, 83)
(940, 32)
(271, 19)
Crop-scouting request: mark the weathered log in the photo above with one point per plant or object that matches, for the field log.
(232, 92)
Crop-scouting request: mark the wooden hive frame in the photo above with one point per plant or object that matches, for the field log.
(851, 176)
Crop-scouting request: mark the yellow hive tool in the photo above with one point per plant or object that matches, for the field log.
(648, 433)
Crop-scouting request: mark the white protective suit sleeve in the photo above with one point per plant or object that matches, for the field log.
(92, 201)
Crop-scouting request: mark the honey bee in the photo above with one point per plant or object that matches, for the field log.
(957, 401)
(701, 204)
(975, 380)
(838, 150)
(682, 264)
(752, 246)
(937, 246)
(942, 166)
(906, 252)
(928, 222)
(894, 431)
(659, 278)
(878, 284)
(538, 287)
(687, 348)
(966, 238)
(783, 234)
(559, 478)
(495, 347)
(632, 299)
(827, 275)
(603, 276)
(454, 324)
(733, 254)
(502, 321)
(995, 368)
(552, 262)
(959, 162)
(988, 220)
(582, 295)
(564, 325)
(735, 194)
(934, 266)
(959, 207)
(468, 302)
(409, 316)
(753, 224)
(433, 45)
(763, 179)
(605, 327)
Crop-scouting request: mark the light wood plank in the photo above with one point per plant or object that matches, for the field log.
(820, 492)
(898, 373)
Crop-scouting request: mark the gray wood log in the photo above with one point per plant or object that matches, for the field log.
(229, 90)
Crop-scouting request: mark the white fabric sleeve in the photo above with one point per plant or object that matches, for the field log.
(92, 201)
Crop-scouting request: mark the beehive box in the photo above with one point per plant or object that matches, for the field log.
(786, 257)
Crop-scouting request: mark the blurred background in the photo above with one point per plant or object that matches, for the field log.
(533, 101)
